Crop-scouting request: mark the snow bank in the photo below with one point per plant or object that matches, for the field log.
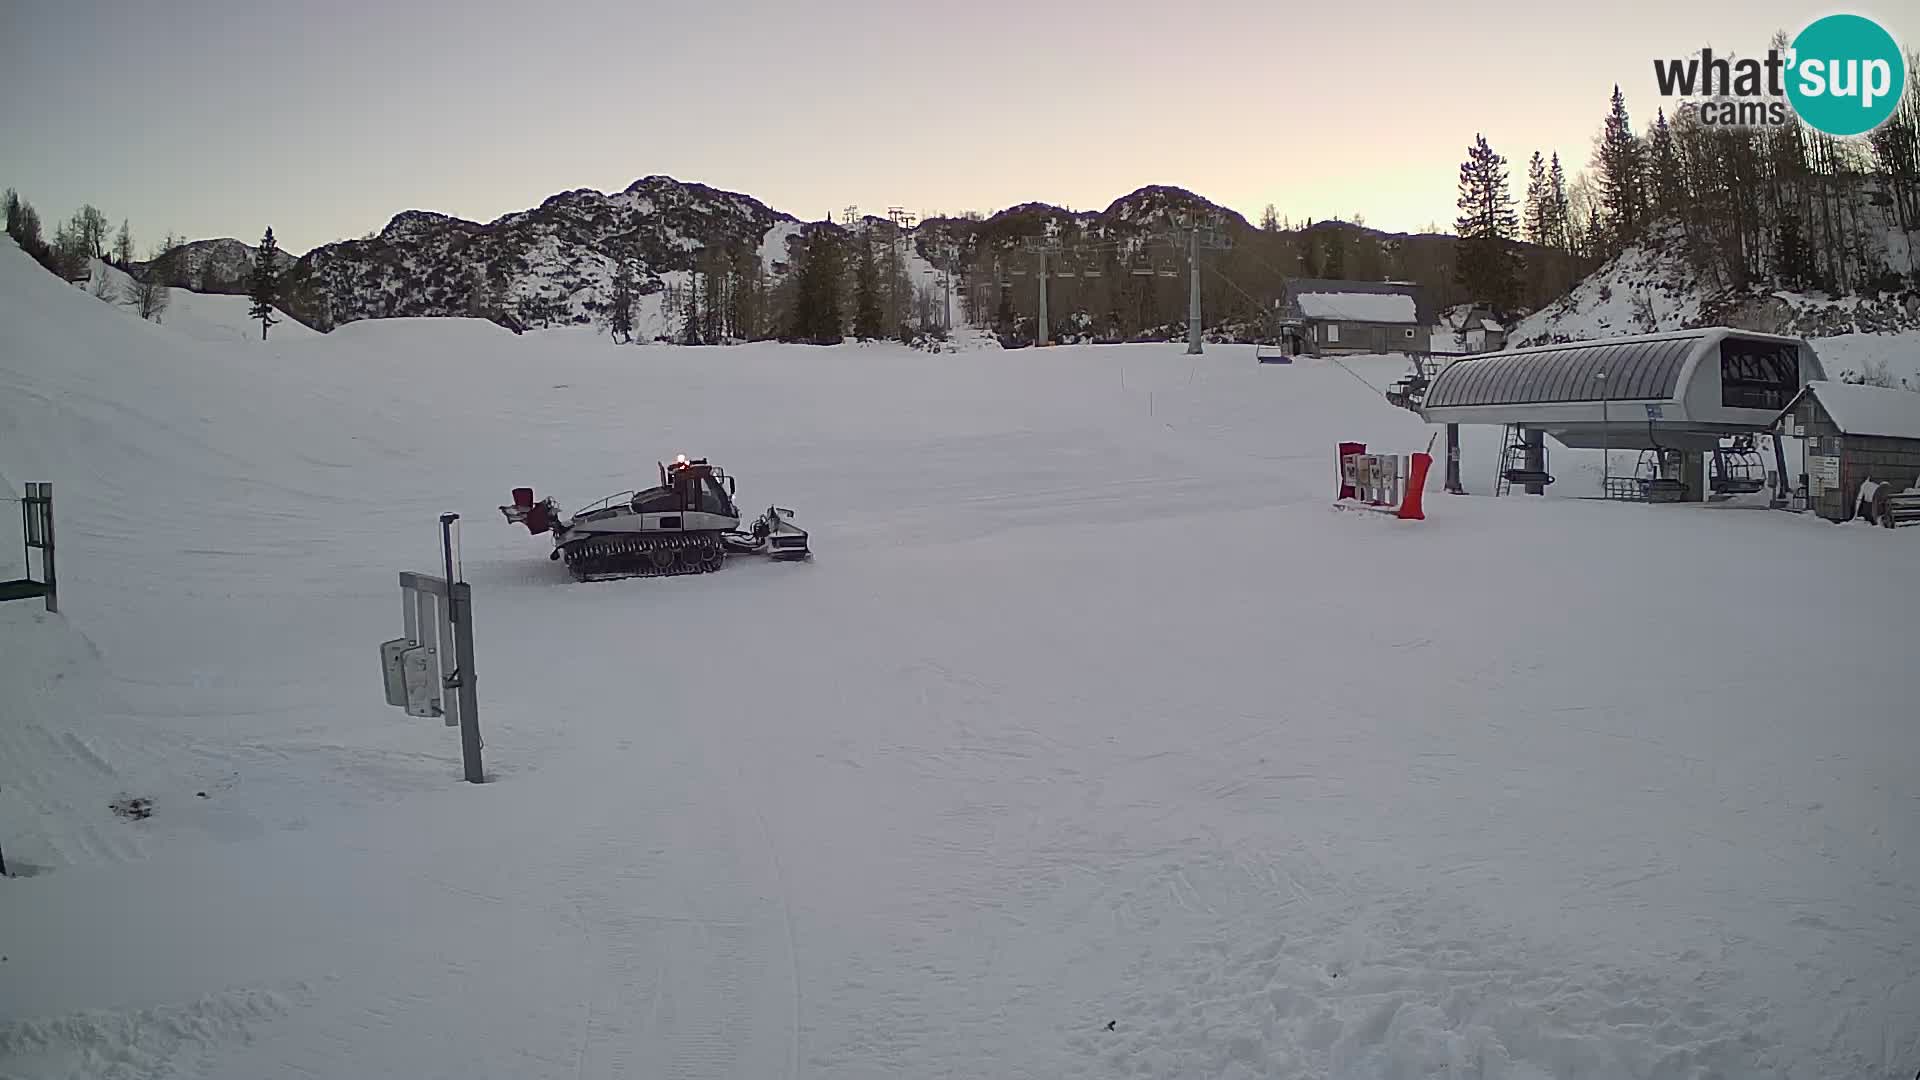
(201, 316)
(1857, 354)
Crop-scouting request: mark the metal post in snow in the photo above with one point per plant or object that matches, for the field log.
(1606, 448)
(1453, 460)
(461, 681)
(53, 580)
(460, 603)
(446, 552)
(1193, 290)
(1040, 335)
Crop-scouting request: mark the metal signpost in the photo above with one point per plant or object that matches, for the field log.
(429, 670)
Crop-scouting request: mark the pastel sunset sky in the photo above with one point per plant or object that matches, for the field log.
(326, 119)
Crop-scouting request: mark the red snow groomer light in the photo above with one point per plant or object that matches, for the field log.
(1383, 483)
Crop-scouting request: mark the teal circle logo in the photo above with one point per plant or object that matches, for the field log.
(1845, 75)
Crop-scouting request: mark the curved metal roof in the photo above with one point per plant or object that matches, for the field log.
(1637, 370)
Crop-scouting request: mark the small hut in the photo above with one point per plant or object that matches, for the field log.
(1854, 434)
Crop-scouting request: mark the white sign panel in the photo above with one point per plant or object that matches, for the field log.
(394, 672)
(1828, 469)
(421, 673)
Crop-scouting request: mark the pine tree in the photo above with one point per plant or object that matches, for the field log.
(265, 290)
(1269, 219)
(1663, 169)
(747, 299)
(1792, 257)
(866, 294)
(801, 276)
(621, 313)
(831, 267)
(1559, 228)
(1309, 252)
(1484, 260)
(123, 246)
(13, 213)
(1620, 160)
(1334, 266)
(1539, 200)
(816, 307)
(713, 271)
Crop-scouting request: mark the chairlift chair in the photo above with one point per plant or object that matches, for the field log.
(1651, 474)
(1738, 469)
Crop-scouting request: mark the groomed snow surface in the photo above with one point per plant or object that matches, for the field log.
(1092, 743)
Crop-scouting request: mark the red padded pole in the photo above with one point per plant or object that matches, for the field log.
(1416, 483)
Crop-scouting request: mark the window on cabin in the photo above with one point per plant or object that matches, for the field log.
(1333, 331)
(1758, 374)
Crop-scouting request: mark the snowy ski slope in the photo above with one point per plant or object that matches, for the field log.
(1091, 743)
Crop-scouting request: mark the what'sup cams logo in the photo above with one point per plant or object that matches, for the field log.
(1843, 74)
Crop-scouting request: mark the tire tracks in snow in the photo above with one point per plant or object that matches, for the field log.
(673, 884)
(786, 918)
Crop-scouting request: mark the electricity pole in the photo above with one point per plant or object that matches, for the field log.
(1041, 246)
(1202, 232)
(902, 221)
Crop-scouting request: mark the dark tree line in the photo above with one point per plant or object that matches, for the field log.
(1778, 207)
(1755, 207)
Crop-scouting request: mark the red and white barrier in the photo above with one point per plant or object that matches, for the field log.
(1383, 483)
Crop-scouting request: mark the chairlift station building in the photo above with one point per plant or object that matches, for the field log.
(1682, 391)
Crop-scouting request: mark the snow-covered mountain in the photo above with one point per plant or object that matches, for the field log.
(551, 264)
(554, 264)
(212, 266)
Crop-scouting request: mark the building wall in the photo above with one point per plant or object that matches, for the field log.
(1365, 337)
(1893, 462)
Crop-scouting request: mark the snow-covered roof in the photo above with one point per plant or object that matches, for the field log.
(1868, 410)
(1357, 306)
